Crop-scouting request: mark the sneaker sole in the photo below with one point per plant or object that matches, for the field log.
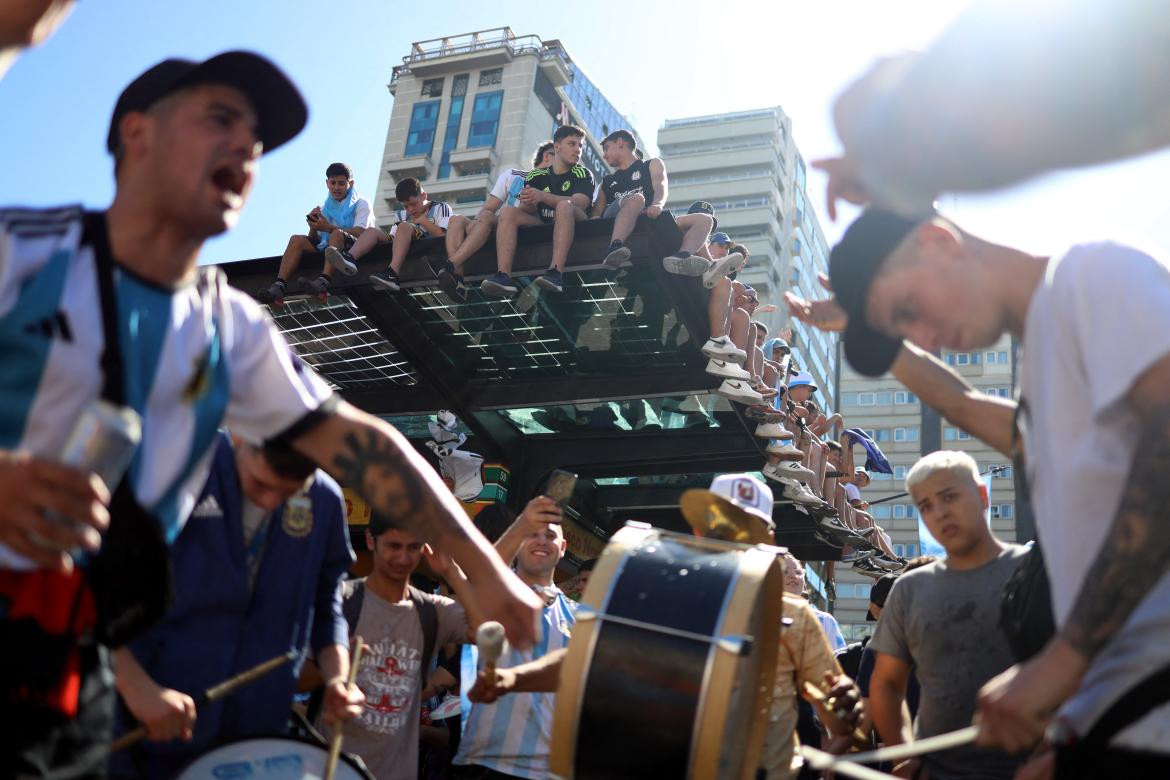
(496, 289)
(722, 267)
(545, 284)
(617, 257)
(737, 357)
(685, 266)
(334, 258)
(739, 398)
(384, 284)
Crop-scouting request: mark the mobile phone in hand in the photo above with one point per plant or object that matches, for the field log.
(560, 486)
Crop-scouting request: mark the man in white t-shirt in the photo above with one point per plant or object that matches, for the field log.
(344, 217)
(1095, 389)
(189, 353)
(465, 236)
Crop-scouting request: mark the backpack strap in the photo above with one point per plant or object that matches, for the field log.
(428, 618)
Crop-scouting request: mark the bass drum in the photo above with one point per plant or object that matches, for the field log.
(271, 758)
(670, 669)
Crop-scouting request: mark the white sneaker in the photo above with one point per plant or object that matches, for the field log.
(739, 392)
(728, 264)
(722, 348)
(773, 431)
(779, 447)
(728, 370)
(793, 470)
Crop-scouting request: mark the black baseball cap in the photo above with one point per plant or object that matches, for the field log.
(703, 207)
(853, 264)
(280, 110)
(879, 593)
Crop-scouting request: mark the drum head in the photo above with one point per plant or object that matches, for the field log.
(270, 758)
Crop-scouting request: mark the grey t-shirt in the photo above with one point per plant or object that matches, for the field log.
(386, 734)
(945, 623)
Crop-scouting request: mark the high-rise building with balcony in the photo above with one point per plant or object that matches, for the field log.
(467, 107)
(905, 430)
(747, 166)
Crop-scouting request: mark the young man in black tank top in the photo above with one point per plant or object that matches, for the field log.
(637, 187)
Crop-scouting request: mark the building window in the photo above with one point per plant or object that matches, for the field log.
(905, 397)
(489, 77)
(962, 358)
(424, 117)
(880, 511)
(904, 511)
(899, 472)
(485, 119)
(865, 399)
(883, 398)
(880, 434)
(1003, 358)
(962, 435)
(432, 88)
(991, 358)
(975, 357)
(454, 119)
(906, 434)
(949, 358)
(1005, 511)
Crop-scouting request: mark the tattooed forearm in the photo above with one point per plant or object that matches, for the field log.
(1136, 551)
(387, 478)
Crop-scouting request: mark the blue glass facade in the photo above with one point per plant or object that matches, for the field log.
(424, 118)
(596, 114)
(454, 118)
(485, 119)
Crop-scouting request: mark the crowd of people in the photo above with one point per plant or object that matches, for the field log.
(120, 317)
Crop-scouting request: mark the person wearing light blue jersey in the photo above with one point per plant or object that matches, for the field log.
(510, 737)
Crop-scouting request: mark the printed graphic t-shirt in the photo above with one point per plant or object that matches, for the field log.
(386, 734)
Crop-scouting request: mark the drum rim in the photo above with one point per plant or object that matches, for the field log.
(354, 760)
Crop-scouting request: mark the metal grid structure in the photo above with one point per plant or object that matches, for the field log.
(600, 323)
(337, 340)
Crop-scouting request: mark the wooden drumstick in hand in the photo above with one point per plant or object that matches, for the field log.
(490, 640)
(335, 743)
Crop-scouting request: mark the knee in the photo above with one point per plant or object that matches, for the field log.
(487, 218)
(508, 215)
(297, 242)
(337, 238)
(565, 208)
(637, 201)
(739, 316)
(457, 221)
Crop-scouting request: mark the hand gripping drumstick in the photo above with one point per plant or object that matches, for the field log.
(817, 758)
(214, 693)
(918, 747)
(489, 639)
(355, 661)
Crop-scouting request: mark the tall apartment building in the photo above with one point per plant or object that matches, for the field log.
(894, 417)
(747, 166)
(467, 107)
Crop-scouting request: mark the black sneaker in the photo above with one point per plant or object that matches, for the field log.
(386, 280)
(499, 285)
(617, 254)
(451, 283)
(319, 288)
(551, 280)
(341, 259)
(272, 294)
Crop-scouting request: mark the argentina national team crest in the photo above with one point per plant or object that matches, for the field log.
(297, 518)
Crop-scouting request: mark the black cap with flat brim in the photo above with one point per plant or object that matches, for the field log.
(281, 112)
(853, 265)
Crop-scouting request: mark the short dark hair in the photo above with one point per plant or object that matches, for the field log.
(407, 189)
(380, 524)
(564, 131)
(540, 152)
(338, 169)
(832, 445)
(287, 462)
(812, 407)
(760, 327)
(621, 135)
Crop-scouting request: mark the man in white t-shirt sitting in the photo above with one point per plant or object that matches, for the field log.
(418, 218)
(465, 236)
(338, 223)
(1095, 424)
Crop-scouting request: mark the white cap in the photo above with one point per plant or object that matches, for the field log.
(746, 492)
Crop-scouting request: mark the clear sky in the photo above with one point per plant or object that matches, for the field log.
(653, 60)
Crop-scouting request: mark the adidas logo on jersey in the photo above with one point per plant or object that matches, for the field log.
(208, 507)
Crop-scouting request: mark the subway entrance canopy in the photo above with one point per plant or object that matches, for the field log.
(606, 379)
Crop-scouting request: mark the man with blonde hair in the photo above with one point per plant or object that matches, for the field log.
(943, 620)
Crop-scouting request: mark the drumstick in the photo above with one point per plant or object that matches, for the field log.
(489, 639)
(214, 693)
(816, 758)
(335, 743)
(918, 747)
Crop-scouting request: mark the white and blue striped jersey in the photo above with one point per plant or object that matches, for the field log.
(195, 358)
(513, 734)
(508, 186)
(438, 211)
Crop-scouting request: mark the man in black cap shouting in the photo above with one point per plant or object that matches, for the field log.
(112, 306)
(1094, 416)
